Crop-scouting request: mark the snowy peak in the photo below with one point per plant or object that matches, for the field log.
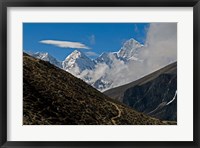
(79, 61)
(42, 56)
(128, 52)
(107, 58)
(98, 72)
(129, 49)
(131, 44)
(47, 57)
(75, 55)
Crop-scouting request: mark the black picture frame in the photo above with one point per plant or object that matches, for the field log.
(98, 3)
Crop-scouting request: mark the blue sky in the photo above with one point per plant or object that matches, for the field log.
(60, 39)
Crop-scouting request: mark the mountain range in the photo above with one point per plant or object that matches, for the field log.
(97, 72)
(53, 96)
(117, 75)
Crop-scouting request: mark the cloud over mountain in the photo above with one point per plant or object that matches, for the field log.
(131, 62)
(159, 50)
(65, 44)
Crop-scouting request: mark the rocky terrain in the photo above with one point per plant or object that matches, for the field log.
(154, 94)
(52, 96)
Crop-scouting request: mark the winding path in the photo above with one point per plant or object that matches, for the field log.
(119, 113)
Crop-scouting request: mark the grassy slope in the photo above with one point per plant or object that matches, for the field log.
(53, 96)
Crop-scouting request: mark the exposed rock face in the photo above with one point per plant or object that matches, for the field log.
(53, 96)
(155, 94)
(152, 97)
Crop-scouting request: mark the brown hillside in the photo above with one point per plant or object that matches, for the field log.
(52, 96)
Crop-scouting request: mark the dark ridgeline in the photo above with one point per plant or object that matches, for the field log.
(55, 97)
(154, 94)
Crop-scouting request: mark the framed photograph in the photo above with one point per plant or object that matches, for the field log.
(99, 73)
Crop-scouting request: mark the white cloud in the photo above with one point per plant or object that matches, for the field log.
(90, 53)
(161, 45)
(65, 44)
(100, 70)
(160, 50)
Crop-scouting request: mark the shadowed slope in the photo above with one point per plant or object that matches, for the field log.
(53, 96)
(118, 92)
(154, 94)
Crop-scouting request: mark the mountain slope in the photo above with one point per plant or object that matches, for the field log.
(154, 94)
(53, 96)
(129, 50)
(107, 58)
(47, 57)
(77, 60)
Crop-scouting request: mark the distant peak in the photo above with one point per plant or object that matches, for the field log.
(131, 44)
(76, 54)
(132, 41)
(76, 51)
(129, 49)
(41, 53)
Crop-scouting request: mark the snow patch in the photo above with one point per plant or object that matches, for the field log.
(172, 99)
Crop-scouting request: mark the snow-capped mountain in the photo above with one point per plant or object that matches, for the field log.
(77, 62)
(47, 57)
(102, 72)
(129, 50)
